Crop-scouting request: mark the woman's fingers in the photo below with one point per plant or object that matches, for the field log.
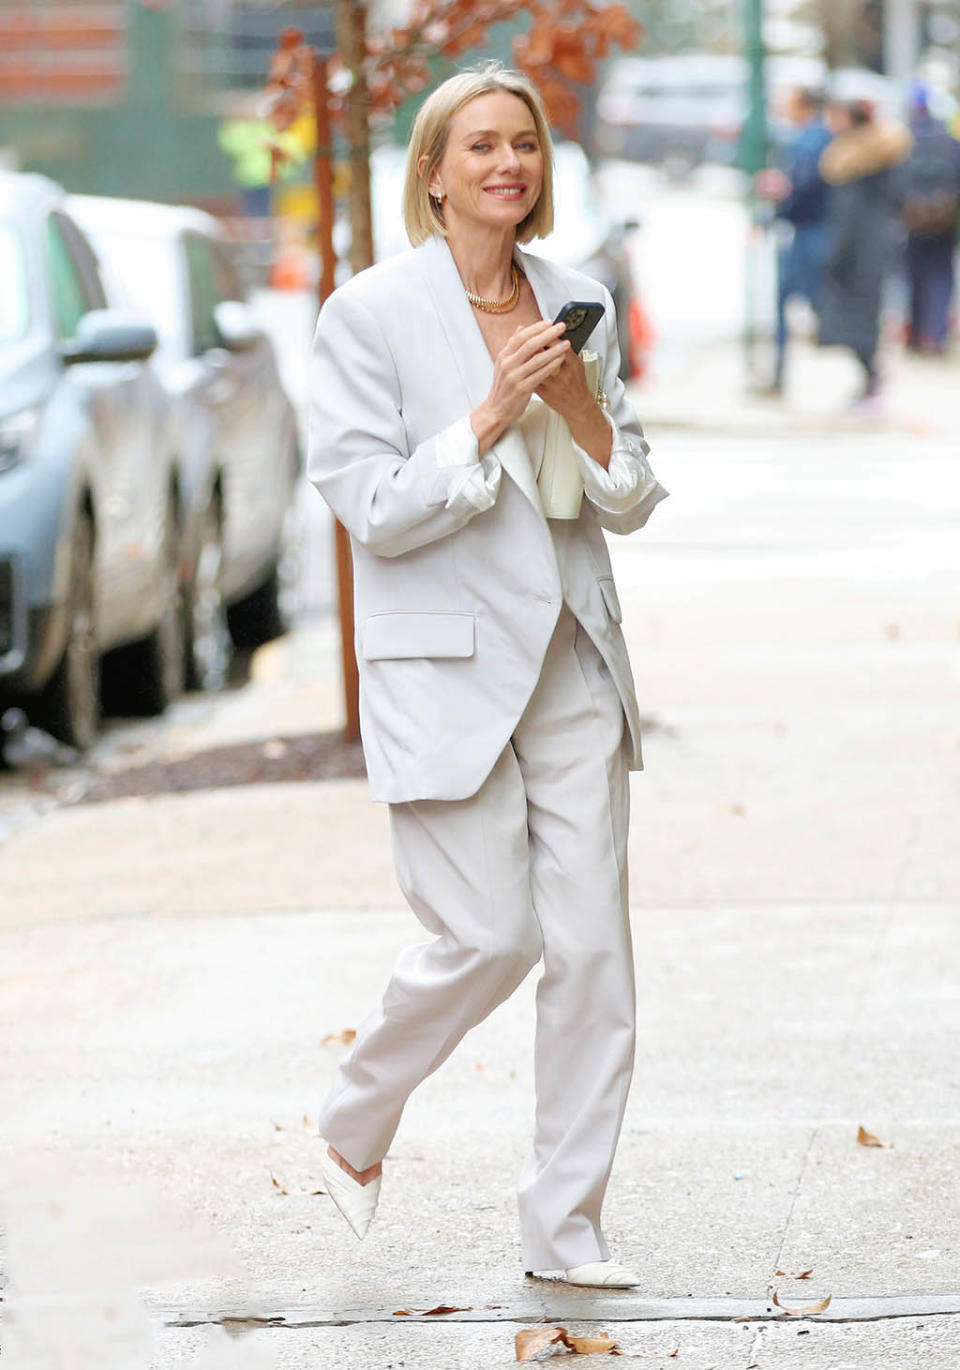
(556, 353)
(545, 371)
(528, 341)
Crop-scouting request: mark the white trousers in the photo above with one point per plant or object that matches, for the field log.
(534, 864)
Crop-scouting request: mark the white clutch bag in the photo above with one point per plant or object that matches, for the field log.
(559, 481)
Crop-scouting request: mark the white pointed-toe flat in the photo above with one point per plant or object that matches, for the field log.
(599, 1275)
(357, 1202)
(608, 1274)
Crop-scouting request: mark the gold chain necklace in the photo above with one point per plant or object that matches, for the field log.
(498, 306)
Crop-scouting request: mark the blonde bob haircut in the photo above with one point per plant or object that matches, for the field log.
(422, 214)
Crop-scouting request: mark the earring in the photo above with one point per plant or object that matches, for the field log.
(440, 198)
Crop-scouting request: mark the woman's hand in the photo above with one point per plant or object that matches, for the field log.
(527, 360)
(567, 391)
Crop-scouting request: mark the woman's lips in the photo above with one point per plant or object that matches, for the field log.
(506, 192)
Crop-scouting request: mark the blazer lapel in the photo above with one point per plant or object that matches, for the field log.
(472, 358)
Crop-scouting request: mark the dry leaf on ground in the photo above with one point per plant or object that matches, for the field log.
(439, 1311)
(530, 1341)
(311, 1193)
(344, 1037)
(808, 1309)
(588, 1346)
(866, 1138)
(802, 1275)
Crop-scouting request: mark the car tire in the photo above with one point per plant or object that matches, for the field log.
(270, 611)
(70, 704)
(143, 679)
(208, 635)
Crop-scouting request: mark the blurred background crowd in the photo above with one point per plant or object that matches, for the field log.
(754, 179)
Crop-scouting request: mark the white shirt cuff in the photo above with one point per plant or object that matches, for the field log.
(626, 481)
(477, 481)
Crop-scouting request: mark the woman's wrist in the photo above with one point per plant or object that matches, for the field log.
(591, 431)
(487, 427)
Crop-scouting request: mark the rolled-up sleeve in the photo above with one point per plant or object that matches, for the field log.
(468, 476)
(624, 494)
(626, 481)
(391, 499)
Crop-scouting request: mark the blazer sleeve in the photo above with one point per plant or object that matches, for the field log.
(389, 499)
(624, 494)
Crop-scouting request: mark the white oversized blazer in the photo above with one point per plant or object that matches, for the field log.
(455, 602)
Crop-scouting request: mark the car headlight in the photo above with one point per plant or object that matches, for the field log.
(16, 434)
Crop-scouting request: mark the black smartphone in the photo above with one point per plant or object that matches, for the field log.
(581, 318)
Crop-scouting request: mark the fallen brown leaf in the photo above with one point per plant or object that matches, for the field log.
(589, 1346)
(807, 1310)
(866, 1138)
(530, 1341)
(311, 1193)
(439, 1311)
(344, 1037)
(803, 1275)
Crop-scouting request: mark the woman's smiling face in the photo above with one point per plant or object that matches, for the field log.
(491, 171)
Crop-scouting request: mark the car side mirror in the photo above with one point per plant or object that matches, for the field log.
(238, 329)
(109, 335)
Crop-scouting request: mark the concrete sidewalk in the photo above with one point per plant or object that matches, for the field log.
(177, 970)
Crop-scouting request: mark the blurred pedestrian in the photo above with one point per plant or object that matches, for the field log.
(859, 167)
(931, 210)
(498, 710)
(797, 189)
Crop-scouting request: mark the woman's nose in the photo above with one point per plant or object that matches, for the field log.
(509, 161)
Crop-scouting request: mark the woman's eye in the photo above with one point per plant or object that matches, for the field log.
(480, 147)
(528, 147)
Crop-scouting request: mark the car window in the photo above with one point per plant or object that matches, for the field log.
(75, 290)
(85, 260)
(204, 292)
(147, 273)
(13, 287)
(225, 274)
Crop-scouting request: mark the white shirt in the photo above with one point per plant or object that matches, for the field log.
(626, 481)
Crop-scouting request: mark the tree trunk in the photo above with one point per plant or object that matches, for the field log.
(323, 179)
(351, 18)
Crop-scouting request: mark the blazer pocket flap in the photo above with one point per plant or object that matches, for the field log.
(408, 634)
(610, 597)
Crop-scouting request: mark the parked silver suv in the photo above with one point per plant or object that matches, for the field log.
(89, 542)
(237, 446)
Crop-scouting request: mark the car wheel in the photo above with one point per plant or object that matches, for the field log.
(70, 706)
(209, 649)
(270, 611)
(144, 678)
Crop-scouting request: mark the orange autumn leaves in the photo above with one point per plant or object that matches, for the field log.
(560, 50)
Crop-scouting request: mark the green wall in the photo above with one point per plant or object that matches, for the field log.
(144, 148)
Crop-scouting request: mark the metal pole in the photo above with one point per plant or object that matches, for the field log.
(753, 156)
(901, 41)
